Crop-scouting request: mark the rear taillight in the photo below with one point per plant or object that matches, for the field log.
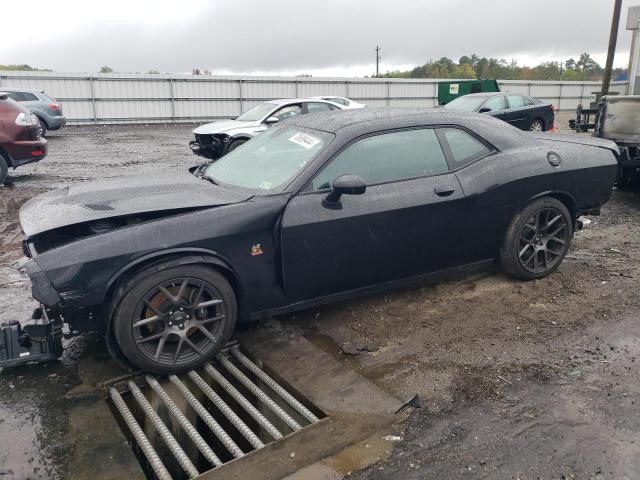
(53, 106)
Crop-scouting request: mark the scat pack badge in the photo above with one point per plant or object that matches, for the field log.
(256, 250)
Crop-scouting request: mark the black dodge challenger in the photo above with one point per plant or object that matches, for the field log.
(320, 208)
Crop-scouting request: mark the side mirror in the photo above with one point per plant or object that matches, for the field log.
(346, 185)
(484, 110)
(271, 120)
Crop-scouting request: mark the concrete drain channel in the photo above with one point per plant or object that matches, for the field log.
(183, 426)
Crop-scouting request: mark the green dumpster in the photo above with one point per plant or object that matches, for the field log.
(447, 91)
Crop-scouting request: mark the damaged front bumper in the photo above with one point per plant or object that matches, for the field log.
(209, 146)
(41, 288)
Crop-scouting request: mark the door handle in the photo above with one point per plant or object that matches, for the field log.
(444, 190)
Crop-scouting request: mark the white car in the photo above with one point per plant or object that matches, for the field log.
(213, 140)
(345, 102)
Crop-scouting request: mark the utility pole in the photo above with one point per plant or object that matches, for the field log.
(377, 61)
(613, 37)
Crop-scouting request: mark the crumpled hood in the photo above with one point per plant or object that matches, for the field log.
(224, 126)
(121, 196)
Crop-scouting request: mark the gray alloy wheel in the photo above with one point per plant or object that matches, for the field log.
(543, 240)
(537, 239)
(536, 126)
(175, 319)
(4, 169)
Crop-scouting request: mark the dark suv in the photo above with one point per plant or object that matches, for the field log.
(20, 140)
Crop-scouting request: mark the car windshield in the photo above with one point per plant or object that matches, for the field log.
(257, 112)
(466, 103)
(270, 160)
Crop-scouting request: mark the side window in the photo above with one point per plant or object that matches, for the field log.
(495, 103)
(386, 158)
(516, 101)
(341, 101)
(288, 112)
(30, 97)
(463, 147)
(315, 107)
(17, 96)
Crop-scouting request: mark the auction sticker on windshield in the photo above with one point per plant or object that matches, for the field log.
(304, 140)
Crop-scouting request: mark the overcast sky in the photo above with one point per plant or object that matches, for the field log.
(319, 37)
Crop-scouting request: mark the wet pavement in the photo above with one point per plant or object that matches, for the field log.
(517, 380)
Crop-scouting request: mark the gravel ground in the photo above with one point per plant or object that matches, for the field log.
(517, 379)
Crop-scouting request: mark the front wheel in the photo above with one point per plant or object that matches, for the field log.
(537, 239)
(174, 319)
(235, 144)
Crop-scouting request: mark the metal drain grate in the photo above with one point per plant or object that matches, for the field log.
(185, 425)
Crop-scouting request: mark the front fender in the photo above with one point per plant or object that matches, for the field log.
(172, 258)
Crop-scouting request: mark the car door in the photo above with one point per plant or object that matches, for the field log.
(495, 106)
(406, 223)
(517, 113)
(465, 151)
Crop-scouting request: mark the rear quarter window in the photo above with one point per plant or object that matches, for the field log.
(463, 147)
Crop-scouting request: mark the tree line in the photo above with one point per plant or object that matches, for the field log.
(468, 66)
(475, 67)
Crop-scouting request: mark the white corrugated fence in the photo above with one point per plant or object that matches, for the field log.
(144, 98)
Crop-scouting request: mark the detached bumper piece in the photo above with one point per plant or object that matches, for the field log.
(185, 425)
(208, 146)
(35, 342)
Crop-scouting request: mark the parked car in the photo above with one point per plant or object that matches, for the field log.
(47, 109)
(522, 112)
(318, 209)
(214, 140)
(617, 118)
(346, 102)
(20, 140)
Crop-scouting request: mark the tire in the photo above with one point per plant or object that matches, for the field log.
(43, 128)
(186, 303)
(235, 144)
(4, 168)
(536, 125)
(537, 240)
(628, 179)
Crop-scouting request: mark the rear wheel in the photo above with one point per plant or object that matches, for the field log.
(537, 239)
(537, 125)
(43, 128)
(4, 169)
(174, 319)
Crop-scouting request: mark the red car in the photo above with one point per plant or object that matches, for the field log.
(20, 140)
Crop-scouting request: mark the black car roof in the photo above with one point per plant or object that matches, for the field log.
(356, 122)
(334, 121)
